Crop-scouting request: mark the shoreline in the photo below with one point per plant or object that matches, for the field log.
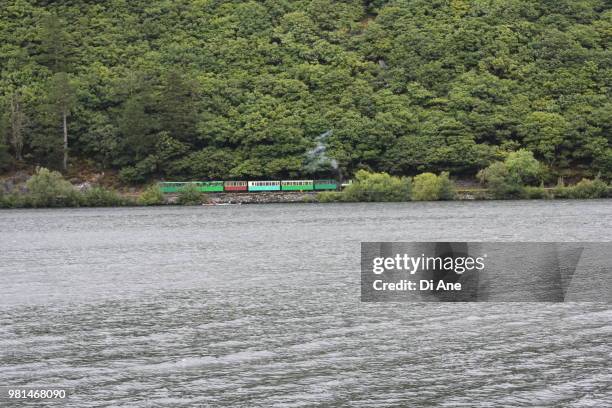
(231, 199)
(284, 197)
(48, 189)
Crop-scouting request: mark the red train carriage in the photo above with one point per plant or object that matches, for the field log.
(236, 186)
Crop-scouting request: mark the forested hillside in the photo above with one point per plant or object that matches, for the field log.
(209, 89)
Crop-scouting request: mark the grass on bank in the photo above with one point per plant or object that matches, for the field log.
(48, 188)
(382, 187)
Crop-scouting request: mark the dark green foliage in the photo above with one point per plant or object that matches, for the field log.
(206, 164)
(190, 195)
(56, 44)
(377, 187)
(5, 158)
(131, 175)
(137, 128)
(140, 172)
(244, 88)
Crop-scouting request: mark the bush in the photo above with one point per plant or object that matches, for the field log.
(508, 179)
(562, 192)
(536, 193)
(425, 187)
(446, 186)
(586, 188)
(330, 197)
(310, 199)
(429, 187)
(151, 196)
(49, 189)
(524, 168)
(100, 197)
(500, 182)
(12, 201)
(377, 187)
(190, 195)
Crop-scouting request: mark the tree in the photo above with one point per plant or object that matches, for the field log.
(405, 86)
(49, 189)
(524, 167)
(5, 157)
(17, 123)
(507, 179)
(137, 127)
(544, 133)
(377, 187)
(430, 187)
(62, 98)
(55, 44)
(177, 107)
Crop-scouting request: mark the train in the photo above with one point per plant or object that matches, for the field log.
(250, 186)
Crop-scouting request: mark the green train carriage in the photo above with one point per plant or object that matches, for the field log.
(201, 186)
(327, 184)
(252, 186)
(297, 185)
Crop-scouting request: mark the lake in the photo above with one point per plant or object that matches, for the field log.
(258, 305)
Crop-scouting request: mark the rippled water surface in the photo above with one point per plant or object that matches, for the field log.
(259, 306)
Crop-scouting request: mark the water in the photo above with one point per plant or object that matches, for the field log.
(259, 306)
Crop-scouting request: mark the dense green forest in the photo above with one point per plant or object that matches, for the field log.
(210, 89)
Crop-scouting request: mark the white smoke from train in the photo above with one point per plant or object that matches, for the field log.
(317, 159)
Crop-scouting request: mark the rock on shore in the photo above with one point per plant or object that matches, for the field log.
(255, 198)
